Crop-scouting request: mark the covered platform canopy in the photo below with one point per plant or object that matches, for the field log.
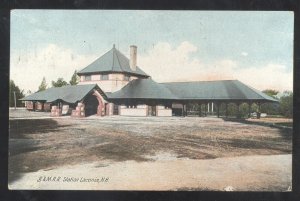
(69, 94)
(217, 90)
(147, 91)
(143, 89)
(224, 90)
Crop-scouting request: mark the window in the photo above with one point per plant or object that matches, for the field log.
(104, 77)
(126, 78)
(131, 106)
(87, 78)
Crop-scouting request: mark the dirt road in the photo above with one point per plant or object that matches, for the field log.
(247, 173)
(53, 143)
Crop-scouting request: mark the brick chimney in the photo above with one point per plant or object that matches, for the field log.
(133, 52)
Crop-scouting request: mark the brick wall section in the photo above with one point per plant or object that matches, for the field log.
(79, 111)
(55, 111)
(47, 107)
(29, 105)
(38, 106)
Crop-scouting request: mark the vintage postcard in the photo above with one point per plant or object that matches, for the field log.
(151, 100)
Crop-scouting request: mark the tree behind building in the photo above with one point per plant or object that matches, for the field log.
(286, 104)
(74, 79)
(270, 108)
(43, 85)
(59, 83)
(14, 89)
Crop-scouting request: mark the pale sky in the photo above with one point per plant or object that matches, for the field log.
(255, 47)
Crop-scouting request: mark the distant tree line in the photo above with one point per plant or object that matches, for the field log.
(15, 93)
(285, 106)
(15, 90)
(59, 82)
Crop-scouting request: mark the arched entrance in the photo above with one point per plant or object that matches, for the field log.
(91, 105)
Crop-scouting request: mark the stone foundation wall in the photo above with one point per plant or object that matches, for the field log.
(47, 107)
(133, 112)
(79, 111)
(164, 112)
(29, 105)
(55, 112)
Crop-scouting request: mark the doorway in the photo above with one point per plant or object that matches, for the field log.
(116, 109)
(91, 105)
(151, 110)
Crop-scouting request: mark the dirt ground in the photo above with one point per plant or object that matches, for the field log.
(21, 113)
(51, 143)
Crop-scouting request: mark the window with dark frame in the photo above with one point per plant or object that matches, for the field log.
(87, 78)
(126, 77)
(104, 77)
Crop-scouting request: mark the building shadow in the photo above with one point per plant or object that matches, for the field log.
(285, 131)
(260, 144)
(19, 128)
(21, 142)
(246, 121)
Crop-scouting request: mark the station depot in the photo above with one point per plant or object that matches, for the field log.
(115, 85)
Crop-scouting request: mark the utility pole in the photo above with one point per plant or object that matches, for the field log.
(15, 99)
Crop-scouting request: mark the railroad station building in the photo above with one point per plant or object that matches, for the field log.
(115, 85)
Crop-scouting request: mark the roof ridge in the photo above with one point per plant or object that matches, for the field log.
(197, 81)
(120, 64)
(119, 59)
(257, 91)
(95, 60)
(147, 88)
(119, 52)
(69, 93)
(113, 59)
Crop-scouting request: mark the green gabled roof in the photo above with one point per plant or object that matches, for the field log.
(143, 89)
(69, 94)
(216, 90)
(203, 90)
(112, 61)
